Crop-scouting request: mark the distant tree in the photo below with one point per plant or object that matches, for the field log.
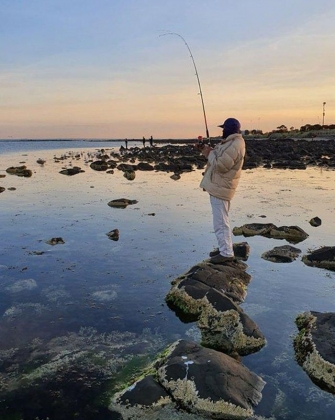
(305, 128)
(282, 129)
(291, 128)
(246, 132)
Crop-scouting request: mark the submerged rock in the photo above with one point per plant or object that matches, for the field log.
(282, 254)
(200, 381)
(323, 258)
(314, 347)
(55, 241)
(292, 234)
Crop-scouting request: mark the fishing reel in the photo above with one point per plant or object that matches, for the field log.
(202, 142)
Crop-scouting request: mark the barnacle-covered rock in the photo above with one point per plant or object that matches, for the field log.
(314, 347)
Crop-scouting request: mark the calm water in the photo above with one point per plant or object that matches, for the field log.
(91, 281)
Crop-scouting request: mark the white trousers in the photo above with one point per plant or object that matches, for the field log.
(220, 210)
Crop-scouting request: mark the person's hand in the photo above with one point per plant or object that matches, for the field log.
(205, 150)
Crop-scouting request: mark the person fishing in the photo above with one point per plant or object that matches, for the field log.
(220, 180)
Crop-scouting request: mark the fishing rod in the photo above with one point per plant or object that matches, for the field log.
(197, 75)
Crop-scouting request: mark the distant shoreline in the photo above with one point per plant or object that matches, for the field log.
(104, 140)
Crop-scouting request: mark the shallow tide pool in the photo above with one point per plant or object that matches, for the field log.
(93, 282)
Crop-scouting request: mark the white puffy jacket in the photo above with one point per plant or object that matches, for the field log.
(224, 167)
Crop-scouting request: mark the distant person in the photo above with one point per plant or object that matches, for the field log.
(143, 141)
(126, 143)
(220, 180)
(151, 141)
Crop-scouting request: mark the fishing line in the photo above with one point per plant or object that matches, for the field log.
(197, 75)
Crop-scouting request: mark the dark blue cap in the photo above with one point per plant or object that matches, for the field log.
(232, 125)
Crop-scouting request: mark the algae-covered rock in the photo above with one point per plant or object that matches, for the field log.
(230, 331)
(223, 325)
(282, 254)
(292, 234)
(314, 347)
(323, 257)
(191, 382)
(228, 279)
(207, 382)
(252, 229)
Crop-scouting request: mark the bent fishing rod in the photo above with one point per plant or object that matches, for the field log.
(197, 75)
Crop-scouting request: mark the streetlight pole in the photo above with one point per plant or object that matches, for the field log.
(323, 113)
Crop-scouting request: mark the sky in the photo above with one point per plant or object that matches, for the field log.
(111, 69)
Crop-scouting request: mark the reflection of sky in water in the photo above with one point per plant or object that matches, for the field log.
(92, 281)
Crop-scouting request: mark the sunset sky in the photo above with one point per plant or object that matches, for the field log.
(102, 69)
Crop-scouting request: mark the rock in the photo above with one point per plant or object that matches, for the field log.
(11, 189)
(2, 189)
(121, 203)
(130, 175)
(315, 222)
(126, 167)
(2, 176)
(241, 250)
(205, 294)
(114, 234)
(144, 166)
(323, 257)
(224, 278)
(72, 171)
(292, 234)
(20, 171)
(200, 381)
(225, 327)
(252, 229)
(55, 241)
(282, 254)
(314, 347)
(40, 161)
(207, 382)
(175, 177)
(99, 165)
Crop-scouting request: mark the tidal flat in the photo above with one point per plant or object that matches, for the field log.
(93, 301)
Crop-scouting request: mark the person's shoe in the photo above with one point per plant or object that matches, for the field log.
(220, 259)
(215, 251)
